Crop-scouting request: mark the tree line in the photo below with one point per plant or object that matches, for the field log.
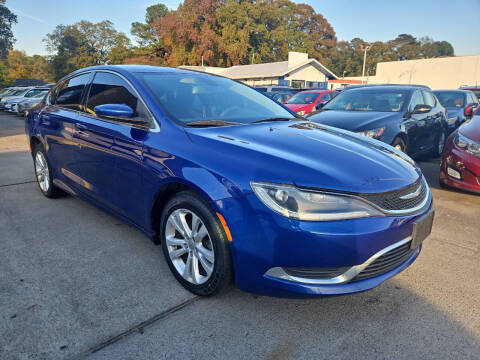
(215, 32)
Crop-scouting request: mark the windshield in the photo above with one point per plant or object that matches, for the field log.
(36, 93)
(450, 98)
(191, 97)
(303, 98)
(381, 100)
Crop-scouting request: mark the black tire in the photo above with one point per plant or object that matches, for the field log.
(438, 148)
(52, 191)
(400, 144)
(222, 275)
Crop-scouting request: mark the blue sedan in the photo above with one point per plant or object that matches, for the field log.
(229, 182)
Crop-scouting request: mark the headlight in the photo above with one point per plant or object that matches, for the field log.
(301, 113)
(468, 145)
(374, 133)
(292, 202)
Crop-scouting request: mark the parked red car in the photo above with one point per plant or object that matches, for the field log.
(305, 102)
(461, 158)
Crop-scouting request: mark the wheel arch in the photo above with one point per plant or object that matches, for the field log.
(164, 194)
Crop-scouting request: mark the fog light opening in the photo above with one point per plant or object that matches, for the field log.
(454, 173)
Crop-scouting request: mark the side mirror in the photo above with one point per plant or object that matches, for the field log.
(116, 111)
(421, 109)
(469, 110)
(320, 105)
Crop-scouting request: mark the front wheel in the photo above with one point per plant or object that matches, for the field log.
(399, 144)
(195, 245)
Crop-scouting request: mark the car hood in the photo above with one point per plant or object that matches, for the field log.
(353, 120)
(303, 153)
(299, 107)
(471, 129)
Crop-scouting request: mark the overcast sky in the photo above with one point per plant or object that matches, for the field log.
(453, 20)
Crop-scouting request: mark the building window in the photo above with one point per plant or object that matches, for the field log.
(298, 84)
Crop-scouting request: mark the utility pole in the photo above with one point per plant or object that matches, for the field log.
(364, 61)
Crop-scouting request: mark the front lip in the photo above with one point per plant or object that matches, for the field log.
(350, 274)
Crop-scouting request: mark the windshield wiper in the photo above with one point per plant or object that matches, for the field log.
(211, 123)
(273, 119)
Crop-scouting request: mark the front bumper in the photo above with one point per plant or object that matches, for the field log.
(263, 240)
(462, 163)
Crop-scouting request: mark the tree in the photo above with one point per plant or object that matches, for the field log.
(84, 44)
(7, 19)
(21, 66)
(145, 33)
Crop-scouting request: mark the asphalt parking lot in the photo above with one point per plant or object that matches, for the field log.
(76, 283)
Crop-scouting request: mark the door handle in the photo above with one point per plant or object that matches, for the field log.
(81, 127)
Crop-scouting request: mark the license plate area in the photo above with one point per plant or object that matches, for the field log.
(421, 229)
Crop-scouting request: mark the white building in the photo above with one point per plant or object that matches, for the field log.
(299, 71)
(439, 73)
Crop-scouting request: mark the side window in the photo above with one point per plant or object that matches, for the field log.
(472, 99)
(109, 88)
(429, 98)
(325, 97)
(417, 99)
(69, 94)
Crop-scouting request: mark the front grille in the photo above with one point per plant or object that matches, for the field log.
(392, 200)
(386, 262)
(315, 273)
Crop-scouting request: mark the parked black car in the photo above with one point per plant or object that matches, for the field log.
(408, 117)
(460, 105)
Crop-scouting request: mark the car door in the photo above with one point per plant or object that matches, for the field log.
(415, 125)
(434, 124)
(56, 121)
(109, 159)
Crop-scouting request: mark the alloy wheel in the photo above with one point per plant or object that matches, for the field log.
(189, 246)
(42, 172)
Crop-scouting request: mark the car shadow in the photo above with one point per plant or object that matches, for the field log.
(391, 321)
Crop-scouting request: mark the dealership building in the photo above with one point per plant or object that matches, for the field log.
(298, 71)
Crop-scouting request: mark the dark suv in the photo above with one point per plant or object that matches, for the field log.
(408, 117)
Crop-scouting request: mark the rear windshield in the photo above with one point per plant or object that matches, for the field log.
(450, 98)
(303, 98)
(380, 100)
(477, 93)
(190, 97)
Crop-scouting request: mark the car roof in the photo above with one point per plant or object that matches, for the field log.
(470, 87)
(123, 69)
(460, 91)
(389, 86)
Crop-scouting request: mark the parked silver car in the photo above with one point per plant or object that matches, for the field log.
(29, 102)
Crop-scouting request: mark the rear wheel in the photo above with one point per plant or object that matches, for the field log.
(43, 173)
(399, 144)
(195, 245)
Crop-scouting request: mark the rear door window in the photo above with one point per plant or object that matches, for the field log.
(68, 95)
(108, 88)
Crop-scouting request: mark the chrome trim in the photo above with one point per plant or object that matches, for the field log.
(279, 273)
(413, 194)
